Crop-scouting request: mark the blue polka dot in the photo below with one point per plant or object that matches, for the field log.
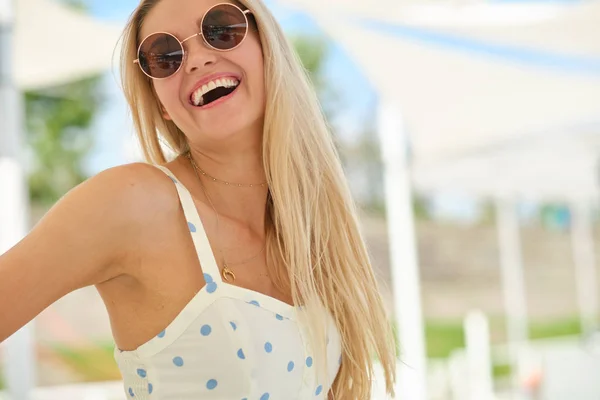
(211, 384)
(268, 347)
(205, 330)
(173, 179)
(131, 392)
(141, 373)
(150, 388)
(178, 361)
(265, 396)
(256, 303)
(162, 334)
(319, 390)
(279, 317)
(233, 325)
(241, 354)
(208, 278)
(211, 287)
(192, 227)
(290, 366)
(309, 361)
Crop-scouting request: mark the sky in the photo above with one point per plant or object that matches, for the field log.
(112, 127)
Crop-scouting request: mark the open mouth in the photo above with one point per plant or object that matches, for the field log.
(213, 91)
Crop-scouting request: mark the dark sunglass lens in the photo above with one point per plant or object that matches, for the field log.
(160, 55)
(224, 27)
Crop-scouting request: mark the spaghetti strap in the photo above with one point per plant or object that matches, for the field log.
(196, 227)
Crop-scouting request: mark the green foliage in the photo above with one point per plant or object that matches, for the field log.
(313, 51)
(57, 122)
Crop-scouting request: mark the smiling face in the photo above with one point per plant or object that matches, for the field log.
(216, 95)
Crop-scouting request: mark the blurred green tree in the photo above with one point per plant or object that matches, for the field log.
(58, 135)
(313, 52)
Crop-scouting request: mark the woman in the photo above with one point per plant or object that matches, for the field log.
(235, 270)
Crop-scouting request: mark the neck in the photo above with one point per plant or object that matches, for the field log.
(244, 205)
(238, 162)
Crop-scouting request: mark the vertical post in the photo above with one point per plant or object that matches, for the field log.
(585, 266)
(403, 253)
(18, 351)
(513, 284)
(479, 360)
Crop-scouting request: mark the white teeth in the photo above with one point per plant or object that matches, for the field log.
(197, 98)
(197, 95)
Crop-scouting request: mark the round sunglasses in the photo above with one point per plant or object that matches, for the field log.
(224, 27)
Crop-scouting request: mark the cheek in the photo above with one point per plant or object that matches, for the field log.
(256, 65)
(167, 94)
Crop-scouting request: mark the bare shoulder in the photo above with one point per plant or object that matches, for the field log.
(134, 191)
(118, 200)
(85, 239)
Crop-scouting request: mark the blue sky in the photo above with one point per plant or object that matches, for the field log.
(112, 127)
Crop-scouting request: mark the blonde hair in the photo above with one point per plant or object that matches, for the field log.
(312, 230)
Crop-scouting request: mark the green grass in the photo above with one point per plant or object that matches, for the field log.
(501, 370)
(444, 336)
(91, 363)
(557, 328)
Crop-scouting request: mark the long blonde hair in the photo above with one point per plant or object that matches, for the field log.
(312, 231)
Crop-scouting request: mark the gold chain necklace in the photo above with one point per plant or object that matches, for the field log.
(263, 184)
(226, 273)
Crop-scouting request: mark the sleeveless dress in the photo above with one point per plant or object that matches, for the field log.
(228, 342)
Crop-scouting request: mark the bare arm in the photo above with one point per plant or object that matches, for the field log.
(81, 241)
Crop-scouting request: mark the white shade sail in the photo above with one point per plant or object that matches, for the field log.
(473, 75)
(54, 44)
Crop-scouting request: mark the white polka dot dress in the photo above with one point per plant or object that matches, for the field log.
(228, 343)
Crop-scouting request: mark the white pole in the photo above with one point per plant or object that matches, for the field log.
(585, 266)
(479, 360)
(403, 253)
(18, 352)
(513, 283)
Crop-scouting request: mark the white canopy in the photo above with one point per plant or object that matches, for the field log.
(54, 44)
(471, 75)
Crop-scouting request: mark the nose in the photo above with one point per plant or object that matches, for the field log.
(199, 56)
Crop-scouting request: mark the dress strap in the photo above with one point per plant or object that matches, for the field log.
(197, 231)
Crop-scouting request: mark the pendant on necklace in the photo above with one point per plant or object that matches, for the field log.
(227, 274)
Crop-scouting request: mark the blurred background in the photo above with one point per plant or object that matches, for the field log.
(470, 135)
